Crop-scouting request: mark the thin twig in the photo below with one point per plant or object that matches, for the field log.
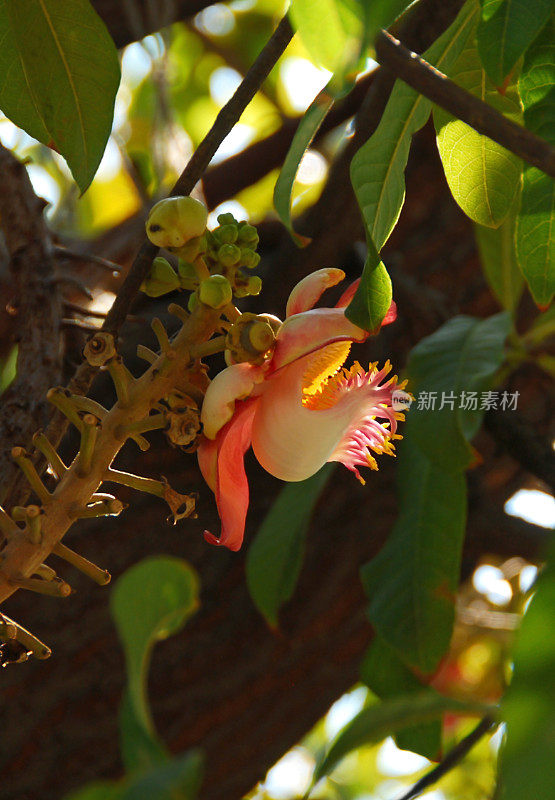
(434, 85)
(71, 255)
(454, 757)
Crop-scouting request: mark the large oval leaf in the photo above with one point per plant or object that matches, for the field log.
(507, 28)
(483, 176)
(535, 238)
(412, 581)
(60, 74)
(331, 31)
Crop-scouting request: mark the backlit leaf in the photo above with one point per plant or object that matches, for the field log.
(373, 296)
(305, 133)
(483, 176)
(60, 73)
(331, 31)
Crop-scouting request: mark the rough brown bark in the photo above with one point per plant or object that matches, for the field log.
(37, 314)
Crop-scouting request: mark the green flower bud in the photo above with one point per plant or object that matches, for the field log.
(186, 270)
(229, 255)
(192, 302)
(249, 258)
(226, 234)
(248, 235)
(161, 279)
(215, 291)
(175, 221)
(227, 219)
(254, 284)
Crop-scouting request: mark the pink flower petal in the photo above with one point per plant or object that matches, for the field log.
(233, 383)
(304, 333)
(231, 485)
(309, 290)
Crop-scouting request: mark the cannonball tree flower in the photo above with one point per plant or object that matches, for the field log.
(299, 408)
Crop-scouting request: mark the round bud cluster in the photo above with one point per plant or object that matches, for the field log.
(231, 249)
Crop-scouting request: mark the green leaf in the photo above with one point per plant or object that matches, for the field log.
(535, 242)
(529, 706)
(60, 74)
(483, 176)
(506, 29)
(373, 296)
(374, 723)
(377, 170)
(331, 31)
(305, 133)
(141, 748)
(386, 675)
(497, 253)
(412, 581)
(178, 779)
(99, 790)
(380, 14)
(151, 601)
(462, 356)
(275, 557)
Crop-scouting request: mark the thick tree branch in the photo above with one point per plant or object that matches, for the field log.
(434, 85)
(39, 313)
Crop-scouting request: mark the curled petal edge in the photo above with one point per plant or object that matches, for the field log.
(230, 385)
(309, 290)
